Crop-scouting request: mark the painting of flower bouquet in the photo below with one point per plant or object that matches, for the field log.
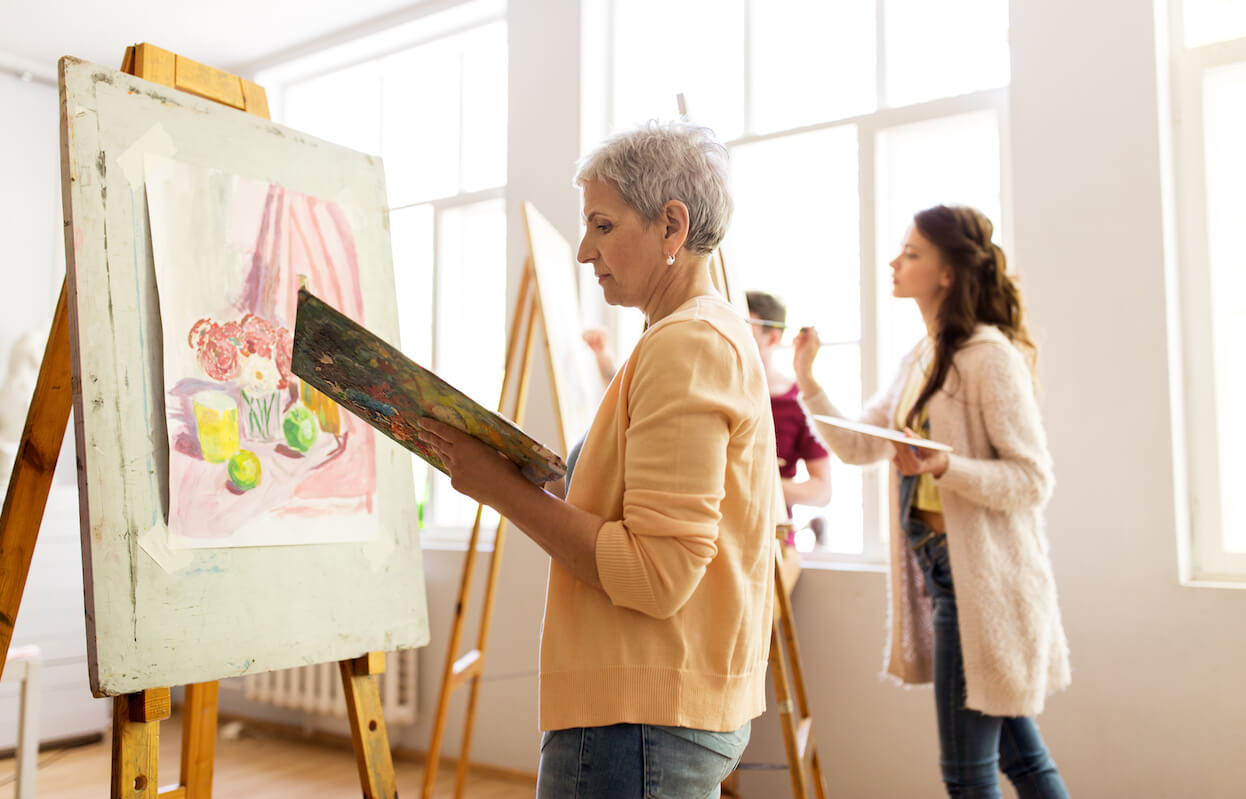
(256, 456)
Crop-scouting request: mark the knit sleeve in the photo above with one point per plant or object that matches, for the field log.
(1020, 474)
(684, 401)
(856, 448)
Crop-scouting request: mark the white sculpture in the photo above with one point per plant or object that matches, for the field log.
(19, 384)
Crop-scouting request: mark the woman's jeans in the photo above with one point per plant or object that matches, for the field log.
(637, 761)
(974, 747)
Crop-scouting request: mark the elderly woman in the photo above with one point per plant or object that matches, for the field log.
(658, 610)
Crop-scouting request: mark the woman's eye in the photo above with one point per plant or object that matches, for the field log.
(604, 228)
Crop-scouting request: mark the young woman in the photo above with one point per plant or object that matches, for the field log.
(973, 600)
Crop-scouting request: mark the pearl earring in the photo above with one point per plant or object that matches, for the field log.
(670, 260)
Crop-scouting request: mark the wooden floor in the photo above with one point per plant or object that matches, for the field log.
(257, 765)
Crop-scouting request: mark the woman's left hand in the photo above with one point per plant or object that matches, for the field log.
(478, 471)
(914, 460)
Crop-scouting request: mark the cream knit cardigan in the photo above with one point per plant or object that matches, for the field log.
(997, 482)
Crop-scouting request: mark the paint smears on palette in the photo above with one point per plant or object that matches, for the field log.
(392, 393)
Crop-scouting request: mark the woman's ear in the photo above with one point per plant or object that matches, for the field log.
(946, 276)
(675, 220)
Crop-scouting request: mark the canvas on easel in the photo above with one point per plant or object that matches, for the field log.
(577, 382)
(155, 616)
(255, 608)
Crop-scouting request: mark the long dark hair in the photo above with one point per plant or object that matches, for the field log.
(981, 292)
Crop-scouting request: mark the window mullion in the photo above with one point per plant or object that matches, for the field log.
(1198, 349)
(747, 90)
(880, 54)
(873, 481)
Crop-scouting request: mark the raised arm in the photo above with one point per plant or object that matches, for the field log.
(848, 446)
(816, 490)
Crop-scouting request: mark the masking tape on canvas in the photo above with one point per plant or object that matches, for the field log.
(155, 141)
(155, 542)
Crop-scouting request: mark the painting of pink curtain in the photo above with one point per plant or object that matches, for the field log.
(255, 457)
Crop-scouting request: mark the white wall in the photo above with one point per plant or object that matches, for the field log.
(30, 208)
(33, 269)
(1157, 706)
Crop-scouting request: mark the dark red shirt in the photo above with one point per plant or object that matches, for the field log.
(793, 434)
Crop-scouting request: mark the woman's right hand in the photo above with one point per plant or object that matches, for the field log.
(596, 339)
(806, 345)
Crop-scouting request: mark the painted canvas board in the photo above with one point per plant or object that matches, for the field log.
(157, 616)
(575, 375)
(255, 457)
(391, 392)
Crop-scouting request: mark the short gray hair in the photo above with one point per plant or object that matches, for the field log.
(664, 161)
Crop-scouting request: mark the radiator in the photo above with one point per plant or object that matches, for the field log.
(318, 689)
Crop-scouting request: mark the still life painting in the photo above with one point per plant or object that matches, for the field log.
(257, 457)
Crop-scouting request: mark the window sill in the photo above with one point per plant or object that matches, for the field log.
(454, 539)
(812, 561)
(1238, 584)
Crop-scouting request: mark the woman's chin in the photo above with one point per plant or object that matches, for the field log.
(612, 298)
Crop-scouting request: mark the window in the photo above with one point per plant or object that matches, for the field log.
(429, 97)
(1207, 45)
(843, 119)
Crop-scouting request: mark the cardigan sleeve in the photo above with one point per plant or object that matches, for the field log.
(1020, 474)
(683, 404)
(856, 448)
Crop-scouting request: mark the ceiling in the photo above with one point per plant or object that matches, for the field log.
(231, 34)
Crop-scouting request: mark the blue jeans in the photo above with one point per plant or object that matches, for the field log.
(973, 747)
(637, 761)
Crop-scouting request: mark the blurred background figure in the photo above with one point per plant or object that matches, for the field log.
(795, 438)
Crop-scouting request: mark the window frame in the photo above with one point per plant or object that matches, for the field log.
(362, 49)
(874, 371)
(1203, 558)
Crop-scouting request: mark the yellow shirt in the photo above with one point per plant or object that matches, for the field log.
(680, 461)
(926, 497)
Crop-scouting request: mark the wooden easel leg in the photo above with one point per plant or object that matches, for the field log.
(32, 472)
(136, 743)
(470, 666)
(367, 725)
(199, 738)
(486, 617)
(787, 720)
(454, 668)
(789, 688)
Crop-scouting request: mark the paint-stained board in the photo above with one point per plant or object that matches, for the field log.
(157, 617)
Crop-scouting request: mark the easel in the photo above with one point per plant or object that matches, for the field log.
(468, 668)
(795, 718)
(789, 680)
(136, 717)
